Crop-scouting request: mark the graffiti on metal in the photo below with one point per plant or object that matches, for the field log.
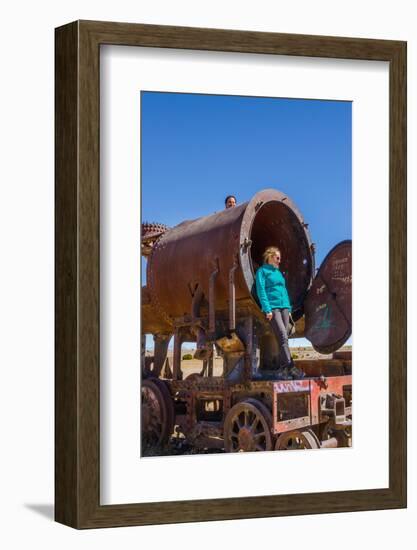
(325, 322)
(292, 386)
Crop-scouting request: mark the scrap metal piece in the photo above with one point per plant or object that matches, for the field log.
(150, 233)
(232, 343)
(328, 306)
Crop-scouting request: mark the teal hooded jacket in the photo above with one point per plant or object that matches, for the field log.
(271, 289)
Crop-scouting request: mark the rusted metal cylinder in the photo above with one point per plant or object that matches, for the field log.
(330, 443)
(226, 248)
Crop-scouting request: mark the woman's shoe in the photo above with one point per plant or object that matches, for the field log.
(296, 373)
(283, 374)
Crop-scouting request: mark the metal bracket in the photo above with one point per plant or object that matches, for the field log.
(247, 243)
(212, 309)
(232, 295)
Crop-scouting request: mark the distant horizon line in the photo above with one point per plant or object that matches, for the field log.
(293, 347)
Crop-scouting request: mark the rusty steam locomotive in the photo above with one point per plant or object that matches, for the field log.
(200, 288)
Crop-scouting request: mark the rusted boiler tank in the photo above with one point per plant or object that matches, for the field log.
(217, 256)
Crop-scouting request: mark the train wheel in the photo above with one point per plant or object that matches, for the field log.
(248, 427)
(157, 415)
(297, 439)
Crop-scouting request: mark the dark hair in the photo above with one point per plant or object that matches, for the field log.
(229, 197)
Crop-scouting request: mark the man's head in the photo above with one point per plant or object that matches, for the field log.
(230, 201)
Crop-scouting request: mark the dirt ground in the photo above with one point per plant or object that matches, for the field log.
(191, 366)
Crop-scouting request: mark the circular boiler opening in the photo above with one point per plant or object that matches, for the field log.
(276, 224)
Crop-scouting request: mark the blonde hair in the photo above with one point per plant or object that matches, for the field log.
(269, 252)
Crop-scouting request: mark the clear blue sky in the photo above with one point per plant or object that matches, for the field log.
(196, 149)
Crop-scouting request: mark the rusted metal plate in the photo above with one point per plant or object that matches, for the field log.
(328, 306)
(322, 367)
(152, 322)
(313, 389)
(344, 355)
(333, 384)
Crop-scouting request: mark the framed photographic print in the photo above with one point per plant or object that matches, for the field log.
(230, 274)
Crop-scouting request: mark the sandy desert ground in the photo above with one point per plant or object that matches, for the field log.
(191, 366)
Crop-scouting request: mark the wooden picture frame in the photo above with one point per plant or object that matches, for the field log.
(77, 373)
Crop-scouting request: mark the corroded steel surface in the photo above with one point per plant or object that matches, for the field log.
(344, 355)
(325, 367)
(184, 258)
(311, 389)
(328, 306)
(152, 321)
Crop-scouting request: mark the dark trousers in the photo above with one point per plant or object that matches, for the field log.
(279, 325)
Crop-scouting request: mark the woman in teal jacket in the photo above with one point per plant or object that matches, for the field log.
(275, 303)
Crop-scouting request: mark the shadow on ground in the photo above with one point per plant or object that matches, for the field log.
(45, 510)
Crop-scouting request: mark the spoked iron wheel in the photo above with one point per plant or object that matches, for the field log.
(297, 439)
(248, 427)
(157, 415)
